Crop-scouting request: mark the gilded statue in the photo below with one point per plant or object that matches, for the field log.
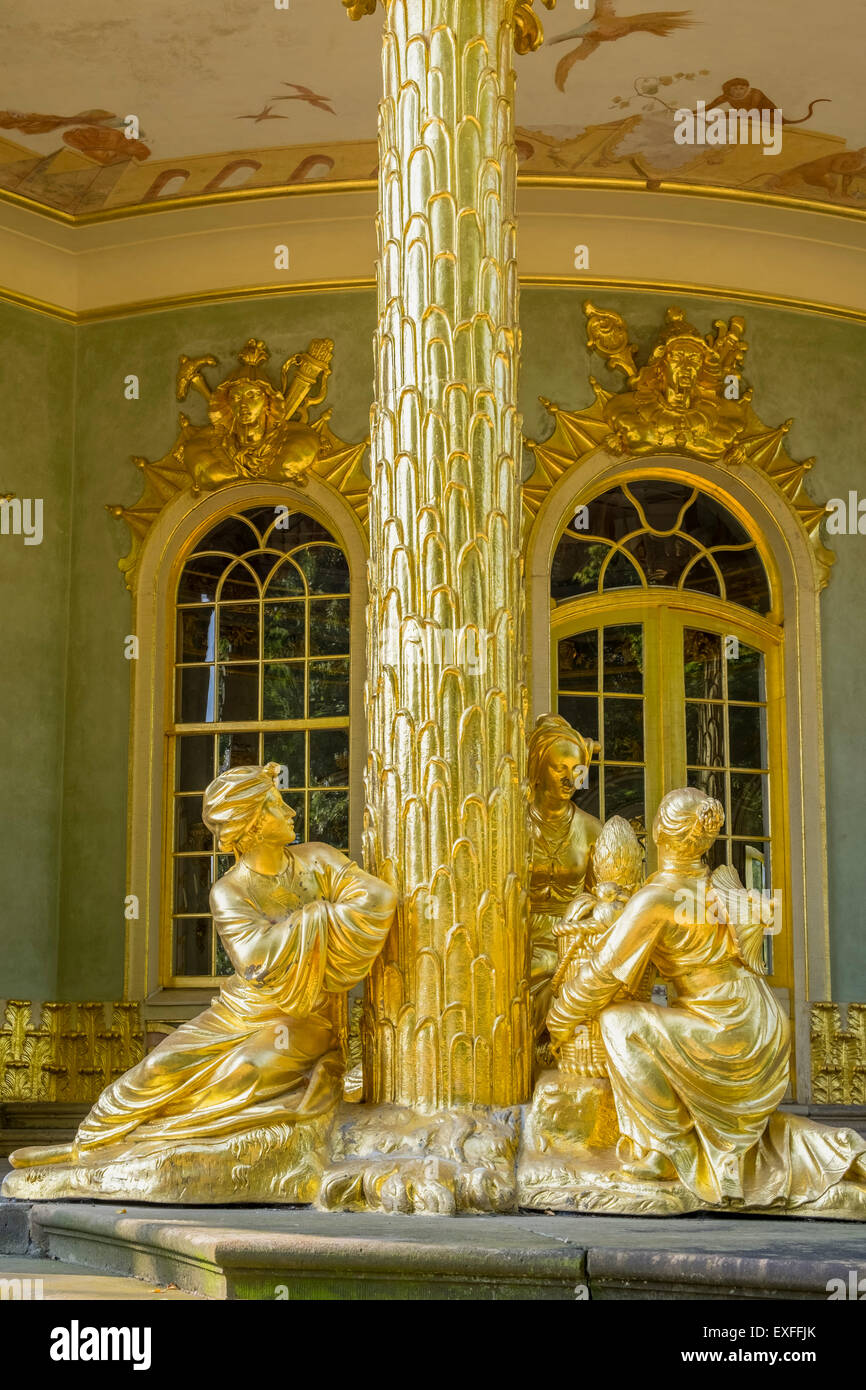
(697, 1084)
(561, 837)
(301, 926)
(617, 861)
(255, 430)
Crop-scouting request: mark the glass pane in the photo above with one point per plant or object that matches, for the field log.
(194, 762)
(195, 634)
(329, 688)
(705, 735)
(284, 625)
(711, 782)
(746, 674)
(190, 832)
(288, 750)
(238, 632)
(192, 880)
(588, 798)
(198, 583)
(578, 662)
(662, 501)
(611, 515)
(239, 583)
(286, 530)
(329, 626)
(621, 573)
(623, 659)
(702, 656)
(748, 746)
(581, 713)
(623, 731)
(702, 578)
(329, 757)
(193, 941)
(745, 579)
(232, 534)
(326, 569)
(223, 962)
(712, 524)
(329, 818)
(717, 854)
(238, 694)
(297, 800)
(662, 558)
(750, 804)
(238, 750)
(196, 691)
(283, 691)
(286, 581)
(751, 860)
(576, 567)
(624, 796)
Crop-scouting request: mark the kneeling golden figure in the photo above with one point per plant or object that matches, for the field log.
(696, 1085)
(235, 1084)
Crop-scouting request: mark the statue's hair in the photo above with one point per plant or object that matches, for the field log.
(234, 802)
(690, 817)
(549, 730)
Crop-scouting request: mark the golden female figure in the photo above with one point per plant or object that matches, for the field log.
(696, 1085)
(299, 926)
(561, 839)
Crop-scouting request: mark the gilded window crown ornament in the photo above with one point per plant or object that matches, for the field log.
(688, 398)
(256, 430)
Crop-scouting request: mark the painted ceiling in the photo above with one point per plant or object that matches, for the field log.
(252, 96)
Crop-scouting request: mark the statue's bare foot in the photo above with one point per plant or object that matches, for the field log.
(644, 1163)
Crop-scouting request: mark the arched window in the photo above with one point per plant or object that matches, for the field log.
(667, 648)
(261, 673)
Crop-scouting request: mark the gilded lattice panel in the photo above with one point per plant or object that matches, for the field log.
(66, 1052)
(838, 1055)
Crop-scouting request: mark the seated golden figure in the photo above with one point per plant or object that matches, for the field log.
(696, 1085)
(300, 926)
(561, 839)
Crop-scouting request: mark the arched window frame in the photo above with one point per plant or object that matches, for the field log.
(174, 534)
(796, 580)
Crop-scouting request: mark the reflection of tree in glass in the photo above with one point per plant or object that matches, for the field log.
(329, 818)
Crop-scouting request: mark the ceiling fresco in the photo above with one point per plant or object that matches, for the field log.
(105, 109)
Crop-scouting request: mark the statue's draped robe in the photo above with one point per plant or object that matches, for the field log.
(555, 880)
(266, 1050)
(700, 1081)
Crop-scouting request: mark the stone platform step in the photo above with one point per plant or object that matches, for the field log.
(300, 1254)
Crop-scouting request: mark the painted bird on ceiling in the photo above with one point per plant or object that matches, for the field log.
(606, 26)
(308, 95)
(264, 115)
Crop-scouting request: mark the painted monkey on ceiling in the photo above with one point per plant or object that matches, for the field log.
(740, 95)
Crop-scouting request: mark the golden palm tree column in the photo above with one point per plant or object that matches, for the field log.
(446, 1022)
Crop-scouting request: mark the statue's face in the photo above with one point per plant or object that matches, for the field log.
(277, 823)
(247, 402)
(561, 773)
(682, 366)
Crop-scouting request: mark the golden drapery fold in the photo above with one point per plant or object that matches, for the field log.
(700, 1081)
(266, 1050)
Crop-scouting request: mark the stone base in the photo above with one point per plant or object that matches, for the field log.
(305, 1255)
(275, 1163)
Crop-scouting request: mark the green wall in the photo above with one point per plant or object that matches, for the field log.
(799, 364)
(36, 437)
(110, 429)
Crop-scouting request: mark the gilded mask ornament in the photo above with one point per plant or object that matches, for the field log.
(688, 398)
(256, 431)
